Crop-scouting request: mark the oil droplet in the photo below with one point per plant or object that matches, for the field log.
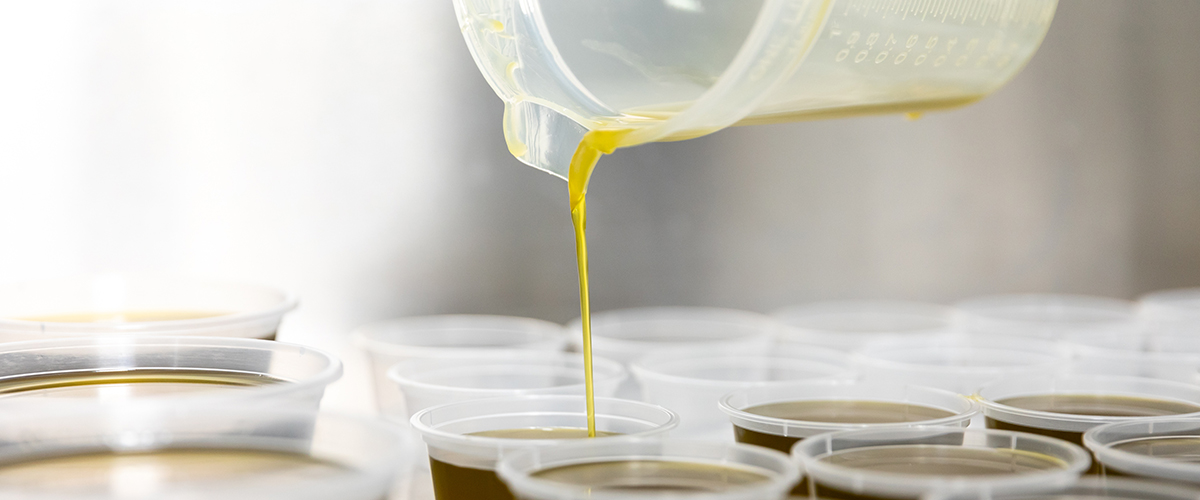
(495, 25)
(913, 116)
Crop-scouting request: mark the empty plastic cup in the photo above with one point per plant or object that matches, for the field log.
(467, 439)
(449, 336)
(1076, 318)
(625, 335)
(1157, 448)
(849, 325)
(432, 382)
(692, 385)
(1171, 311)
(1065, 407)
(1179, 367)
(129, 370)
(1091, 488)
(649, 469)
(114, 304)
(906, 463)
(185, 452)
(959, 363)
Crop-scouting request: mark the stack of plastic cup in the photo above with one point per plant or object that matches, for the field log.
(692, 384)
(649, 470)
(466, 440)
(115, 304)
(907, 463)
(960, 364)
(850, 325)
(1082, 319)
(1163, 449)
(431, 382)
(1091, 488)
(450, 336)
(188, 451)
(130, 370)
(625, 335)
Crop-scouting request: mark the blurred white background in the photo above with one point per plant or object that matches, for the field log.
(349, 150)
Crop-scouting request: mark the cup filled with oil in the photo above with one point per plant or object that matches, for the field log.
(189, 451)
(906, 463)
(117, 304)
(1162, 449)
(389, 342)
(850, 325)
(691, 384)
(467, 439)
(1091, 488)
(648, 469)
(129, 370)
(1065, 407)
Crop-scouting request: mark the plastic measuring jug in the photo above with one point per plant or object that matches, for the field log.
(677, 69)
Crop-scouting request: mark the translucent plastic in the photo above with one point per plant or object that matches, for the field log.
(28, 311)
(960, 364)
(735, 404)
(1074, 318)
(445, 428)
(301, 373)
(1181, 303)
(683, 68)
(849, 325)
(1091, 488)
(810, 452)
(517, 470)
(1104, 441)
(1096, 385)
(450, 336)
(692, 385)
(432, 382)
(358, 459)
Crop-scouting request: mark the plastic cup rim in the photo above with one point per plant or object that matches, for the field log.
(613, 370)
(544, 332)
(1167, 469)
(990, 407)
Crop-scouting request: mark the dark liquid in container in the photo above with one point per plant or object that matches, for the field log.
(933, 460)
(657, 476)
(132, 383)
(831, 411)
(1180, 449)
(452, 482)
(1092, 405)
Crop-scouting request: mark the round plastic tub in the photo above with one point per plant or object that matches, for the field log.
(1079, 318)
(959, 363)
(838, 463)
(129, 370)
(448, 336)
(692, 384)
(1157, 448)
(186, 452)
(782, 433)
(653, 469)
(849, 325)
(115, 304)
(1092, 488)
(463, 462)
(431, 382)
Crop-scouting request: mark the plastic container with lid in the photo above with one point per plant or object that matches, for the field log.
(849, 325)
(119, 304)
(448, 336)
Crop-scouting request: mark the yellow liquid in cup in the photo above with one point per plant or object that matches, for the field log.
(128, 383)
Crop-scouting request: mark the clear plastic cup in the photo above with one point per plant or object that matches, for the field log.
(1074, 318)
(131, 370)
(906, 463)
(116, 304)
(782, 433)
(1179, 367)
(625, 335)
(461, 460)
(1159, 448)
(1091, 488)
(960, 364)
(1065, 407)
(188, 452)
(431, 382)
(849, 325)
(691, 385)
(660, 469)
(448, 336)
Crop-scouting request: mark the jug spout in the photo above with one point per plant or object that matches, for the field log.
(541, 137)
